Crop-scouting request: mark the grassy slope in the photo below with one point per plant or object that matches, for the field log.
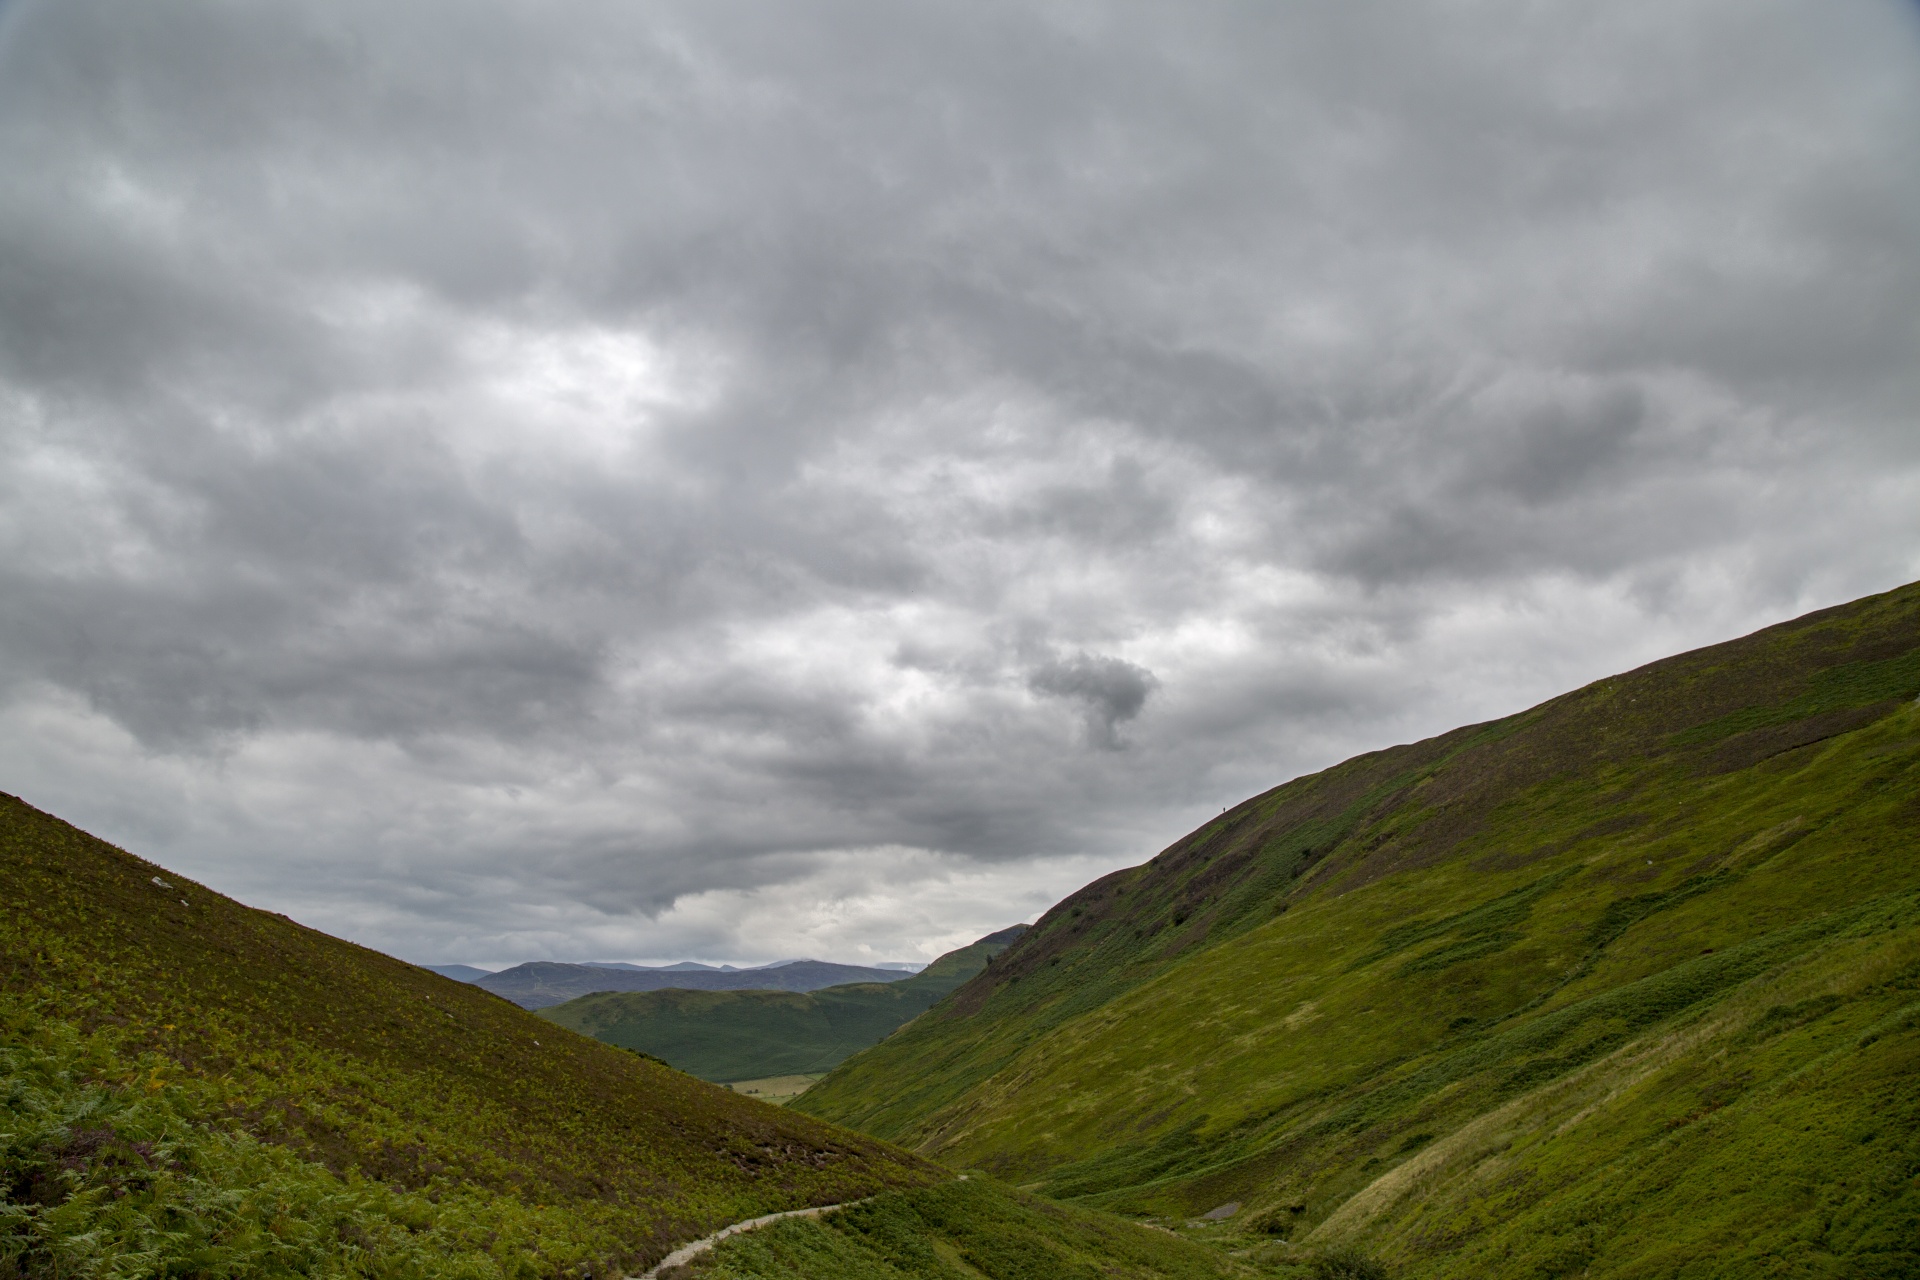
(749, 1035)
(363, 1067)
(962, 1231)
(1625, 983)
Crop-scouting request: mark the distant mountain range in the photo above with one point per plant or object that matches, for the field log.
(540, 983)
(751, 1034)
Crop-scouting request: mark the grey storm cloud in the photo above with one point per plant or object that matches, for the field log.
(502, 480)
(1110, 689)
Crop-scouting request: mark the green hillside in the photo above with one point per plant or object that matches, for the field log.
(963, 1231)
(1624, 985)
(192, 1087)
(749, 1035)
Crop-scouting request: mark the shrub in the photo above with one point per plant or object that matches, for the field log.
(1347, 1264)
(108, 1171)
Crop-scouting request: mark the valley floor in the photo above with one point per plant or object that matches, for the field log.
(778, 1090)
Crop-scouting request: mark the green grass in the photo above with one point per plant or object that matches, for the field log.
(749, 1035)
(390, 1104)
(963, 1231)
(1623, 985)
(774, 1089)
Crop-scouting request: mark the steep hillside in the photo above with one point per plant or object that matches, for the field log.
(749, 1035)
(1626, 984)
(195, 1087)
(539, 984)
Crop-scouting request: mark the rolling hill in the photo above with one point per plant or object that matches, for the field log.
(748, 1035)
(1627, 984)
(539, 984)
(193, 1087)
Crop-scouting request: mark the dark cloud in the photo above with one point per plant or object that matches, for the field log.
(501, 480)
(1111, 691)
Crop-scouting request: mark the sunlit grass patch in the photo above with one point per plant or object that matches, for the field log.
(774, 1089)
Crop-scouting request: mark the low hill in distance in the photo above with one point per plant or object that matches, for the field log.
(541, 983)
(1624, 985)
(751, 1035)
(190, 1086)
(458, 972)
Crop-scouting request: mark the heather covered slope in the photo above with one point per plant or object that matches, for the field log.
(169, 1053)
(749, 1035)
(1625, 984)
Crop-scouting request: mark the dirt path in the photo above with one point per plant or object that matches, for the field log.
(688, 1252)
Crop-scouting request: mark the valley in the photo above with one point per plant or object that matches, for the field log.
(1624, 985)
(728, 1036)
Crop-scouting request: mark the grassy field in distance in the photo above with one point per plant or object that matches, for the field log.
(1626, 984)
(778, 1090)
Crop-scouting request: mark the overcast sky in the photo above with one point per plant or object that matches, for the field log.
(502, 480)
